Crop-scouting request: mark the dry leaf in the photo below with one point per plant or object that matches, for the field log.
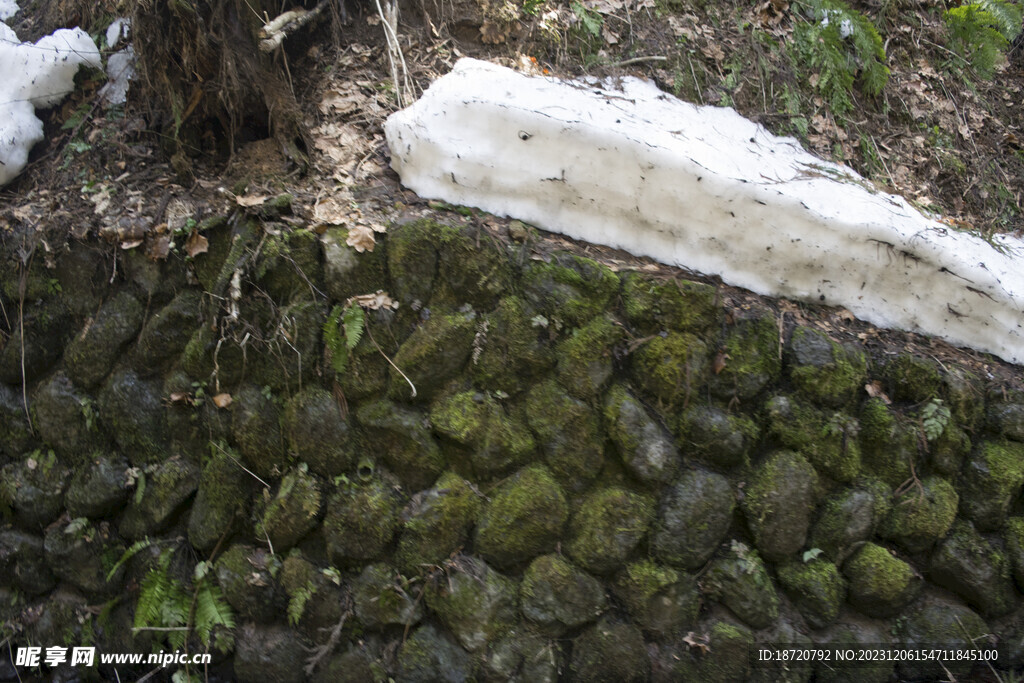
(720, 363)
(250, 200)
(332, 211)
(178, 396)
(874, 390)
(222, 400)
(158, 248)
(196, 244)
(360, 238)
(375, 301)
(130, 244)
(699, 642)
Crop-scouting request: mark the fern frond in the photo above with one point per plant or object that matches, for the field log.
(132, 551)
(981, 30)
(1006, 16)
(211, 610)
(354, 321)
(334, 339)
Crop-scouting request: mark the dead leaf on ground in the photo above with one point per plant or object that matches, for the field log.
(374, 302)
(222, 400)
(251, 200)
(874, 390)
(360, 238)
(333, 211)
(196, 244)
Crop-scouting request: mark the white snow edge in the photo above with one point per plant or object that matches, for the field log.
(631, 167)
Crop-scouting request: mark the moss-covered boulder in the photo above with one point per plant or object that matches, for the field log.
(412, 260)
(921, 515)
(1013, 534)
(290, 264)
(940, 624)
(739, 580)
(750, 353)
(477, 603)
(402, 437)
(436, 523)
(584, 358)
(91, 355)
(160, 493)
(45, 328)
(524, 518)
(785, 634)
(222, 500)
(946, 453)
(429, 655)
(1006, 418)
(317, 433)
(653, 303)
(990, 481)
(473, 268)
(974, 569)
(361, 520)
(348, 272)
(246, 575)
(511, 351)
(66, 418)
(269, 653)
(693, 518)
(486, 439)
(434, 353)
(828, 439)
(82, 555)
(822, 370)
(316, 599)
(889, 443)
(15, 435)
(610, 651)
(286, 358)
(722, 655)
(293, 511)
(778, 503)
(23, 563)
(660, 599)
(716, 436)
(608, 525)
(568, 433)
(382, 598)
(671, 368)
(571, 289)
(849, 517)
(132, 410)
(912, 379)
(557, 596)
(523, 657)
(856, 634)
(816, 588)
(210, 354)
(644, 446)
(352, 666)
(880, 583)
(256, 429)
(166, 332)
(32, 489)
(98, 488)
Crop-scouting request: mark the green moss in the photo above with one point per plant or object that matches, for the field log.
(660, 599)
(740, 581)
(524, 518)
(653, 303)
(510, 351)
(568, 433)
(778, 502)
(849, 517)
(828, 439)
(832, 380)
(478, 604)
(671, 368)
(402, 436)
(607, 527)
(585, 358)
(412, 260)
(817, 589)
(912, 379)
(438, 525)
(489, 441)
(889, 445)
(921, 516)
(752, 359)
(557, 596)
(570, 289)
(293, 511)
(434, 353)
(222, 501)
(880, 584)
(361, 520)
(991, 480)
(975, 569)
(473, 268)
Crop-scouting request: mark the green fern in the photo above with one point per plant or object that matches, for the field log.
(297, 603)
(980, 31)
(934, 418)
(342, 331)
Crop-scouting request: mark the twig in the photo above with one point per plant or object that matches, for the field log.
(398, 369)
(638, 60)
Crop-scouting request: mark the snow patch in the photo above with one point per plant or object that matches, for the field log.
(8, 8)
(631, 167)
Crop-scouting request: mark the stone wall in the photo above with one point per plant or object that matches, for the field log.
(534, 468)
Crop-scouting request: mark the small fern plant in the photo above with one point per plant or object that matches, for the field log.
(838, 43)
(342, 331)
(981, 31)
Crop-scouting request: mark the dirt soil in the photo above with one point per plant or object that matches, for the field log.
(937, 133)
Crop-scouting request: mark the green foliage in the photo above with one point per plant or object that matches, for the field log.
(837, 43)
(589, 19)
(812, 554)
(342, 331)
(298, 601)
(980, 31)
(934, 418)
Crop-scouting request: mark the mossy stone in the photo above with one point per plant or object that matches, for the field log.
(23, 563)
(912, 379)
(653, 303)
(856, 635)
(45, 328)
(778, 503)
(608, 525)
(430, 656)
(91, 355)
(166, 332)
(83, 555)
(317, 433)
(473, 268)
(645, 447)
(348, 272)
(965, 396)
(290, 264)
(366, 375)
(511, 352)
(888, 444)
(816, 588)
(402, 436)
(750, 351)
(477, 603)
(316, 599)
(287, 360)
(610, 651)
(269, 653)
(167, 487)
(246, 575)
(347, 667)
(990, 481)
(584, 358)
(132, 410)
(726, 660)
(824, 371)
(921, 516)
(256, 429)
(945, 625)
(222, 500)
(880, 583)
(1006, 419)
(361, 520)
(293, 511)
(557, 596)
(849, 517)
(974, 569)
(671, 368)
(15, 435)
(412, 260)
(381, 598)
(693, 519)
(33, 489)
(434, 353)
(523, 519)
(570, 288)
(568, 433)
(828, 439)
(98, 488)
(436, 524)
(785, 634)
(1013, 533)
(66, 418)
(210, 357)
(718, 438)
(523, 657)
(946, 454)
(660, 599)
(739, 580)
(488, 439)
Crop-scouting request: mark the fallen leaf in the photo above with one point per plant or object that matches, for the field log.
(250, 200)
(130, 244)
(178, 396)
(360, 238)
(874, 390)
(375, 301)
(196, 244)
(699, 642)
(222, 400)
(333, 211)
(720, 363)
(158, 248)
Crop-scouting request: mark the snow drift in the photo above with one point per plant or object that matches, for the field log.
(628, 166)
